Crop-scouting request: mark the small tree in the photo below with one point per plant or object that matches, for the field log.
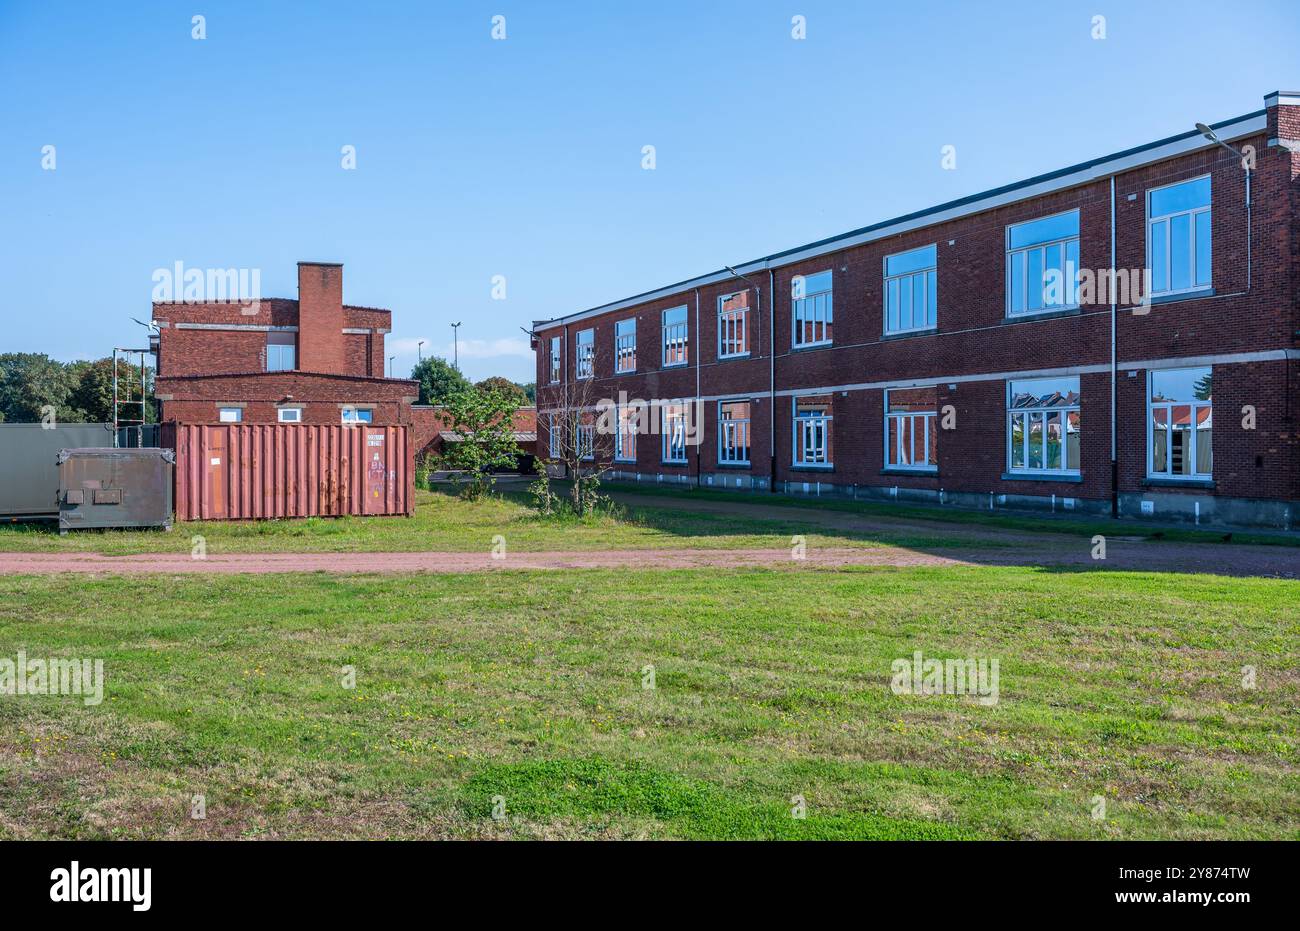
(485, 439)
(506, 385)
(578, 445)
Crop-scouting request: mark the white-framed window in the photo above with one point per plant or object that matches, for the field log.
(812, 431)
(911, 290)
(672, 424)
(354, 415)
(733, 325)
(553, 435)
(1180, 423)
(911, 422)
(585, 354)
(1043, 425)
(289, 414)
(1043, 265)
(812, 309)
(230, 414)
(733, 433)
(587, 437)
(676, 331)
(555, 360)
(281, 351)
(625, 345)
(625, 433)
(1178, 237)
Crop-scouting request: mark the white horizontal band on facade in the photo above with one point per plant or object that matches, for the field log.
(1093, 171)
(1234, 358)
(260, 328)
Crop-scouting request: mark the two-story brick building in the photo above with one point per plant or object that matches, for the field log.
(976, 353)
(313, 360)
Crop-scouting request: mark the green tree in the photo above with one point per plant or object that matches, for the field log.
(506, 386)
(439, 380)
(32, 385)
(93, 389)
(530, 391)
(485, 438)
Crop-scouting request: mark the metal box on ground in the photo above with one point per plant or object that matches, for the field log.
(29, 469)
(266, 471)
(115, 488)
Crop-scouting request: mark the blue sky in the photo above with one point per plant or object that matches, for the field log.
(522, 157)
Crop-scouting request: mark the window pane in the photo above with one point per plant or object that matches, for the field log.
(676, 315)
(932, 298)
(905, 302)
(1180, 256)
(913, 261)
(1035, 296)
(1047, 229)
(1053, 277)
(1159, 440)
(1072, 440)
(893, 305)
(1018, 441)
(1180, 446)
(1017, 282)
(1186, 196)
(1203, 249)
(1053, 439)
(1181, 384)
(1204, 443)
(1160, 255)
(1045, 392)
(1035, 440)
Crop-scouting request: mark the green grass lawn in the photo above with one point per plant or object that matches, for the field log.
(770, 684)
(443, 522)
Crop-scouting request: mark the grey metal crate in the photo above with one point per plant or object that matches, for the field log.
(115, 488)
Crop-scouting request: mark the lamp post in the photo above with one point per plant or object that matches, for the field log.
(390, 365)
(455, 346)
(419, 351)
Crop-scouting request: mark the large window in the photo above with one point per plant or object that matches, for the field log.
(1178, 237)
(1043, 425)
(555, 360)
(625, 345)
(676, 333)
(813, 309)
(733, 325)
(1181, 422)
(625, 434)
(585, 354)
(280, 351)
(733, 433)
(911, 290)
(910, 435)
(1043, 265)
(672, 423)
(812, 431)
(587, 436)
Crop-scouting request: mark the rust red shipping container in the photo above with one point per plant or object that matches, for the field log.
(234, 471)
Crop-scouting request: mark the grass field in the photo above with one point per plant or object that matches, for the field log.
(769, 684)
(443, 522)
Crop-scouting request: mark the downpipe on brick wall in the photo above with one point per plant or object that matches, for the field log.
(771, 382)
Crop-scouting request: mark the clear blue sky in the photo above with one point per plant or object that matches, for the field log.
(522, 157)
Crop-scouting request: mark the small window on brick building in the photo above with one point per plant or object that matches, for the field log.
(1043, 265)
(1178, 237)
(230, 414)
(289, 415)
(585, 364)
(625, 345)
(281, 351)
(733, 325)
(358, 415)
(555, 360)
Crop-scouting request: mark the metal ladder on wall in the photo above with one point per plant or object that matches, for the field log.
(126, 404)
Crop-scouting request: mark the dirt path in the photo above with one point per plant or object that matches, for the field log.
(1225, 559)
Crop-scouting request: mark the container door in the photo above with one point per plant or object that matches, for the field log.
(376, 473)
(215, 463)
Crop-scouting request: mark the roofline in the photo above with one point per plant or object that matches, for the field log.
(240, 302)
(337, 375)
(1059, 180)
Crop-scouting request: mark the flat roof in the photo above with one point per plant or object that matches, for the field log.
(1061, 179)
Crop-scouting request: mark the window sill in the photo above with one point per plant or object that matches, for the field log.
(624, 461)
(1073, 477)
(744, 466)
(904, 334)
(675, 365)
(625, 372)
(829, 467)
(674, 462)
(1197, 294)
(803, 347)
(733, 355)
(1043, 314)
(930, 471)
(1154, 481)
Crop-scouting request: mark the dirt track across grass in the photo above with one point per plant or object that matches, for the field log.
(1213, 559)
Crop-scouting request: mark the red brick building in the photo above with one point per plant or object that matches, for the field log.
(312, 360)
(975, 354)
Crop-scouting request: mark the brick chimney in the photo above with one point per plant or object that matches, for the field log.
(320, 317)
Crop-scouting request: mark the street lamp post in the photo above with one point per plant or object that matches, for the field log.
(1210, 134)
(455, 346)
(419, 351)
(390, 365)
